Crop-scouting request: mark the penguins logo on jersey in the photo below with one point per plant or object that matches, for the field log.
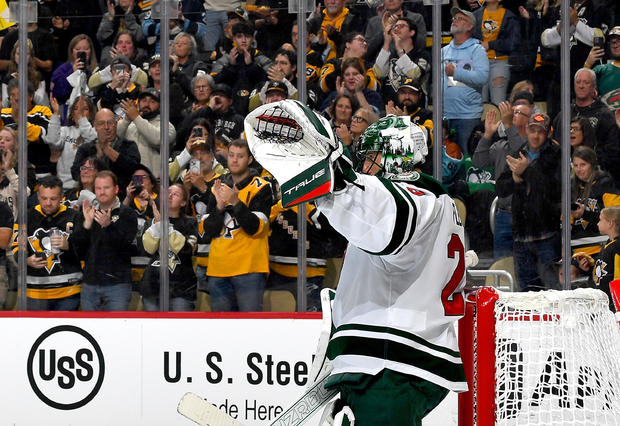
(600, 270)
(230, 225)
(173, 261)
(40, 242)
(489, 25)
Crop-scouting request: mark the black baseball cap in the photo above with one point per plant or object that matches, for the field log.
(222, 89)
(277, 86)
(150, 91)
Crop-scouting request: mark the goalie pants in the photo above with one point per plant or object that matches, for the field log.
(388, 398)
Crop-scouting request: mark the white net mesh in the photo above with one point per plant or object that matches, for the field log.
(557, 359)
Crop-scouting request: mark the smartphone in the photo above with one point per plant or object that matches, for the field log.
(82, 57)
(119, 68)
(40, 255)
(194, 166)
(137, 183)
(197, 132)
(599, 42)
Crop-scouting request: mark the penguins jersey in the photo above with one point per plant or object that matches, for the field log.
(400, 289)
(62, 275)
(607, 268)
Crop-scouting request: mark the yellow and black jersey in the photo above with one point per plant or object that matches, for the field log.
(62, 275)
(333, 68)
(36, 129)
(607, 268)
(284, 237)
(239, 234)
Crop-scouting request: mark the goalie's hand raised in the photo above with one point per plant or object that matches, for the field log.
(296, 146)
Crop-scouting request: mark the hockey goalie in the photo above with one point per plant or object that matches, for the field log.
(394, 348)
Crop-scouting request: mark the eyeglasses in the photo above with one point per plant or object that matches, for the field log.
(143, 176)
(202, 87)
(105, 123)
(517, 112)
(359, 118)
(397, 26)
(615, 40)
(361, 39)
(87, 168)
(575, 129)
(460, 18)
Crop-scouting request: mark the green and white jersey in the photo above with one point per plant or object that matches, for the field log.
(400, 289)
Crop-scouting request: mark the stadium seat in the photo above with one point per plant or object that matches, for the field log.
(279, 301)
(542, 106)
(202, 302)
(503, 264)
(488, 107)
(462, 209)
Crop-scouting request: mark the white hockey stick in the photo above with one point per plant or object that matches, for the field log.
(204, 413)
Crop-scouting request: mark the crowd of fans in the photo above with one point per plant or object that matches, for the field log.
(93, 130)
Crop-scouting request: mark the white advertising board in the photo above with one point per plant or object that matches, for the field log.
(89, 370)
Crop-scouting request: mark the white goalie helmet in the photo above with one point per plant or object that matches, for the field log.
(402, 145)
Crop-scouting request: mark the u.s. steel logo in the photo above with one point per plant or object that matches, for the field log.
(65, 367)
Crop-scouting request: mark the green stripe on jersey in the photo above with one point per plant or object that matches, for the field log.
(397, 352)
(402, 218)
(399, 333)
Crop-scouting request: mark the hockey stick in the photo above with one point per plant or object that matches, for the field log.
(204, 413)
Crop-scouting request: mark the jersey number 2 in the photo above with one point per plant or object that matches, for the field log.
(453, 303)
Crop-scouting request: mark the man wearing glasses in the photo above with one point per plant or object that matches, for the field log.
(120, 156)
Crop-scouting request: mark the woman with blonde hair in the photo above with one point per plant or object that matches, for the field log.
(40, 94)
(9, 181)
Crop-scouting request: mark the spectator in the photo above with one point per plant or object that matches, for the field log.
(608, 75)
(124, 45)
(361, 119)
(499, 33)
(341, 111)
(43, 47)
(184, 54)
(283, 243)
(70, 80)
(122, 16)
(405, 61)
(355, 46)
(492, 152)
(237, 225)
(121, 85)
(202, 87)
(606, 267)
(198, 185)
(227, 124)
(67, 139)
(392, 10)
(532, 178)
(6, 236)
(581, 133)
(105, 238)
(216, 20)
(177, 26)
(243, 68)
(314, 60)
(9, 181)
(142, 126)
(107, 74)
(284, 73)
(183, 235)
(117, 155)
(273, 24)
(88, 167)
(466, 69)
(178, 89)
(142, 196)
(591, 190)
(38, 117)
(352, 82)
(523, 59)
(588, 105)
(408, 101)
(34, 78)
(332, 24)
(274, 91)
(54, 272)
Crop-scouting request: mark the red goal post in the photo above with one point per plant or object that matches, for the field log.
(549, 358)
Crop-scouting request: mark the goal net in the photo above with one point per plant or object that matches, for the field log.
(546, 358)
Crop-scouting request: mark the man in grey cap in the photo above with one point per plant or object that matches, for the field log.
(465, 72)
(141, 125)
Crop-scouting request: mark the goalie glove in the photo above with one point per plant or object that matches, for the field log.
(297, 146)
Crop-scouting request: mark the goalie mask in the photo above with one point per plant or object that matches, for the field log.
(391, 147)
